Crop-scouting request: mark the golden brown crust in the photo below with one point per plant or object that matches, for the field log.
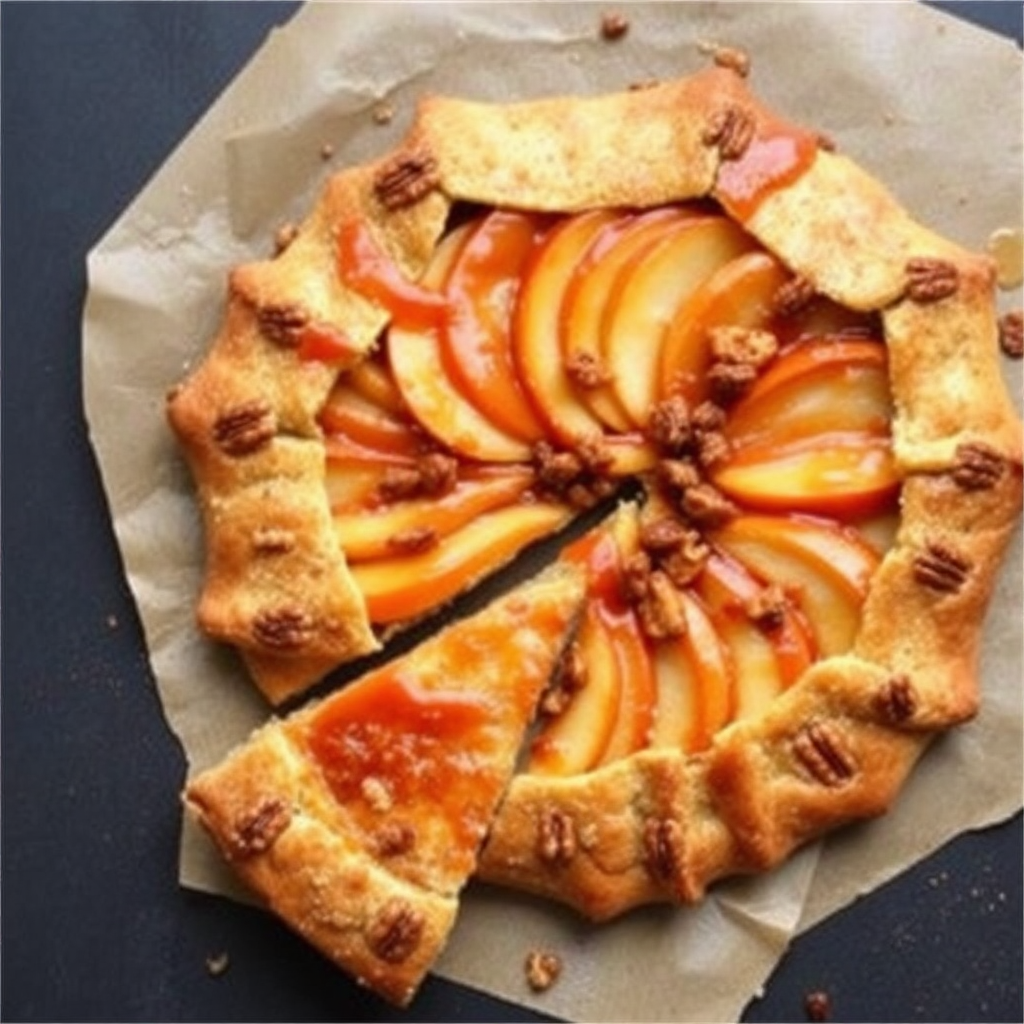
(373, 883)
(837, 746)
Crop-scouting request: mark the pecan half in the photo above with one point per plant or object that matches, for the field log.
(542, 970)
(793, 296)
(731, 129)
(941, 568)
(246, 428)
(821, 749)
(406, 178)
(979, 466)
(896, 701)
(256, 831)
(269, 540)
(930, 279)
(556, 837)
(1011, 334)
(663, 848)
(282, 324)
(283, 629)
(396, 931)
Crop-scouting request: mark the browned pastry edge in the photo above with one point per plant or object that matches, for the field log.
(837, 746)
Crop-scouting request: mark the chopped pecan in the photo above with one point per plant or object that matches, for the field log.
(821, 749)
(712, 448)
(438, 473)
(614, 26)
(706, 506)
(818, 1007)
(669, 424)
(556, 837)
(396, 931)
(660, 610)
(282, 324)
(743, 346)
(663, 848)
(636, 576)
(793, 296)
(1011, 334)
(930, 279)
(979, 466)
(768, 608)
(586, 370)
(595, 454)
(678, 474)
(406, 178)
(570, 678)
(896, 701)
(269, 540)
(728, 381)
(556, 470)
(283, 629)
(941, 568)
(708, 417)
(393, 839)
(246, 428)
(256, 831)
(731, 129)
(413, 540)
(542, 970)
(663, 534)
(398, 482)
(685, 564)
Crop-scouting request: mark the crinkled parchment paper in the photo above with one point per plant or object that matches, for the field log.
(929, 104)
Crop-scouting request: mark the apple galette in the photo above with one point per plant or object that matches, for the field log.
(672, 305)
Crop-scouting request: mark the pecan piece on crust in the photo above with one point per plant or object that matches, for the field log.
(269, 540)
(821, 749)
(256, 831)
(896, 701)
(663, 848)
(556, 837)
(406, 178)
(731, 129)
(1011, 333)
(930, 279)
(282, 324)
(941, 568)
(542, 970)
(979, 466)
(793, 296)
(283, 629)
(396, 931)
(246, 428)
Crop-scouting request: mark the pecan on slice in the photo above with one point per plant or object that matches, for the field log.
(979, 467)
(793, 296)
(660, 610)
(729, 381)
(283, 629)
(1011, 334)
(663, 848)
(941, 568)
(587, 370)
(706, 506)
(256, 831)
(669, 424)
(930, 279)
(406, 178)
(413, 540)
(396, 931)
(821, 749)
(896, 701)
(743, 345)
(731, 129)
(246, 428)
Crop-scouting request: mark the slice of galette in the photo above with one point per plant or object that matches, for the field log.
(359, 819)
(526, 309)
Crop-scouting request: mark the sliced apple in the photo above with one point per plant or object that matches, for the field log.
(438, 405)
(372, 379)
(369, 533)
(476, 343)
(648, 292)
(572, 742)
(402, 588)
(825, 567)
(535, 327)
(349, 412)
(844, 475)
(586, 298)
(739, 294)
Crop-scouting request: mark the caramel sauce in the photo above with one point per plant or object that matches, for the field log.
(777, 155)
(1006, 247)
(391, 742)
(366, 268)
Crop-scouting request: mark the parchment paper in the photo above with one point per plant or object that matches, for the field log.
(929, 104)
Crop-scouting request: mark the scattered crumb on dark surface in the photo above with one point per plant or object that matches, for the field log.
(383, 113)
(542, 970)
(217, 964)
(326, 151)
(614, 26)
(112, 622)
(818, 1006)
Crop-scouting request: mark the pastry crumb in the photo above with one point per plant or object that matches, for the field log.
(326, 151)
(542, 970)
(217, 964)
(383, 113)
(112, 622)
(614, 26)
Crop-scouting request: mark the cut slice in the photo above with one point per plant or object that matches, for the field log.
(359, 819)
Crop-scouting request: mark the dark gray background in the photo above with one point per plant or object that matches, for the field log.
(95, 927)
